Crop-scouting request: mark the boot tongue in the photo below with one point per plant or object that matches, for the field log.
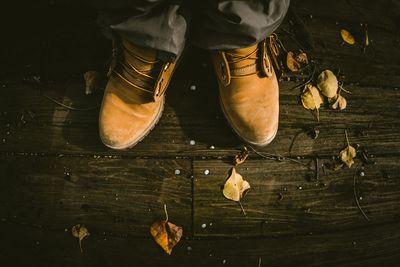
(235, 55)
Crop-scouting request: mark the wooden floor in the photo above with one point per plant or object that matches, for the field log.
(55, 173)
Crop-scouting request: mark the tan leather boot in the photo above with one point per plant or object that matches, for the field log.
(249, 92)
(134, 96)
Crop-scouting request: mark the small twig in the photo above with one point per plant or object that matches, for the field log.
(344, 90)
(166, 213)
(259, 262)
(80, 245)
(275, 156)
(355, 194)
(292, 143)
(310, 78)
(316, 169)
(241, 206)
(68, 107)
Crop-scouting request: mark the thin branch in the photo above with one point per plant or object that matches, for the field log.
(310, 78)
(275, 156)
(69, 107)
(355, 194)
(292, 143)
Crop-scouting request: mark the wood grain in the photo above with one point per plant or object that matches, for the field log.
(195, 115)
(286, 200)
(364, 246)
(115, 196)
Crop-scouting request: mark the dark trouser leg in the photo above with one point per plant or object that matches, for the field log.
(229, 24)
(158, 24)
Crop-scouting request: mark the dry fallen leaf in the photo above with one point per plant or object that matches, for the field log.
(347, 155)
(296, 62)
(338, 102)
(291, 63)
(347, 36)
(327, 83)
(311, 97)
(166, 234)
(92, 79)
(302, 58)
(235, 186)
(80, 232)
(241, 157)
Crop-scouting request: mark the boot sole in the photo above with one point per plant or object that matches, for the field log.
(267, 142)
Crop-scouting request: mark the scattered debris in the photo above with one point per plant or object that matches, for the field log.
(80, 231)
(166, 234)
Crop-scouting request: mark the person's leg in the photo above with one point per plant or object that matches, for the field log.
(158, 24)
(236, 32)
(148, 35)
(229, 24)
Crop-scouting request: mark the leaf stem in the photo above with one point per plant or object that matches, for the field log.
(347, 138)
(166, 213)
(80, 245)
(241, 206)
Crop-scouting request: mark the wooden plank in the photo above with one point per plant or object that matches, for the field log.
(376, 66)
(196, 115)
(364, 246)
(114, 195)
(285, 199)
(376, 14)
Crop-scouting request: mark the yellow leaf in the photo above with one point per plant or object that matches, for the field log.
(235, 186)
(338, 102)
(327, 83)
(80, 232)
(347, 155)
(311, 97)
(166, 234)
(347, 36)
